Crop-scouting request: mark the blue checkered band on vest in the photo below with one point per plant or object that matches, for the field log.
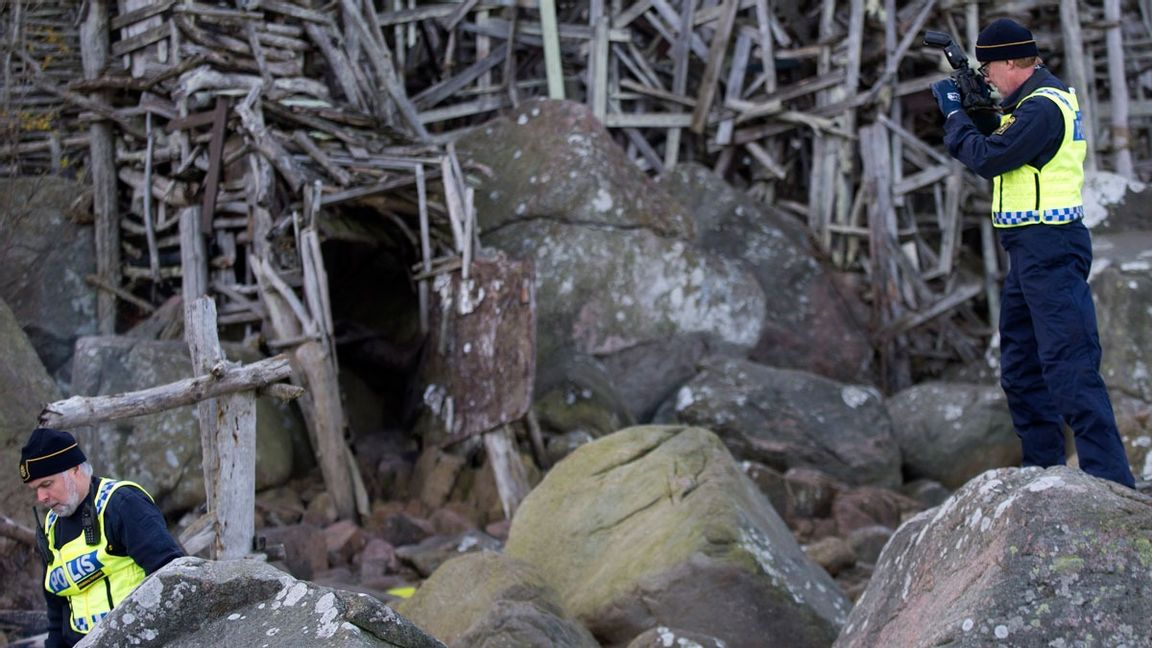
(103, 493)
(1062, 215)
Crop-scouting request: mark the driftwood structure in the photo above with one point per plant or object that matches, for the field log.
(223, 139)
(226, 396)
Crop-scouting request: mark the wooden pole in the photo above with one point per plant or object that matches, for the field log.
(551, 36)
(1078, 75)
(1118, 88)
(102, 166)
(228, 436)
(92, 410)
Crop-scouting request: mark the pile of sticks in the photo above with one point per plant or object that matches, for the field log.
(261, 114)
(33, 137)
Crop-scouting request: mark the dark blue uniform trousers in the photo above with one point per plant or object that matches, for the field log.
(1050, 351)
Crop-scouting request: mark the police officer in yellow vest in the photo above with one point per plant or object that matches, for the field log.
(100, 538)
(1049, 346)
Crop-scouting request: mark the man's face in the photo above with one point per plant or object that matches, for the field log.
(60, 492)
(1004, 76)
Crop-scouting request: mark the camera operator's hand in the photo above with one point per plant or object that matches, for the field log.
(947, 96)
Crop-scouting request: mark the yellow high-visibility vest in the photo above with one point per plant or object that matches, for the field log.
(93, 580)
(1027, 195)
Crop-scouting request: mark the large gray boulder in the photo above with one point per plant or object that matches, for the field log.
(785, 418)
(951, 432)
(658, 526)
(195, 603)
(487, 599)
(616, 265)
(1017, 557)
(162, 451)
(25, 388)
(819, 330)
(602, 291)
(48, 294)
(1122, 287)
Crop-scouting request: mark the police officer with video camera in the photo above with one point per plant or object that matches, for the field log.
(1049, 346)
(100, 537)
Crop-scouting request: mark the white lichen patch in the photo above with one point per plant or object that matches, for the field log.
(327, 611)
(603, 202)
(1044, 483)
(291, 596)
(855, 396)
(149, 594)
(953, 412)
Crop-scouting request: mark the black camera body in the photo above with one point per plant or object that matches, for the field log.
(975, 94)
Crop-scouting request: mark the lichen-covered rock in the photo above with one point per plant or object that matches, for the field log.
(195, 603)
(657, 526)
(1017, 557)
(820, 329)
(488, 599)
(617, 267)
(555, 160)
(951, 432)
(601, 291)
(162, 451)
(785, 418)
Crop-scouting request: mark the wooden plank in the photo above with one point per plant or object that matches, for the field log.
(449, 87)
(215, 165)
(511, 479)
(192, 255)
(152, 9)
(734, 88)
(342, 177)
(140, 40)
(716, 57)
(598, 68)
(555, 73)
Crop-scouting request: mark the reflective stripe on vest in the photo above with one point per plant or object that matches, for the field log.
(1027, 195)
(93, 580)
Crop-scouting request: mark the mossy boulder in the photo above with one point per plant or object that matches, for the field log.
(657, 526)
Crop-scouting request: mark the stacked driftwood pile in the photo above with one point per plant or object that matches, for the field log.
(261, 114)
(39, 132)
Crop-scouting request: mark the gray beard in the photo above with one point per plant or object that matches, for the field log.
(67, 508)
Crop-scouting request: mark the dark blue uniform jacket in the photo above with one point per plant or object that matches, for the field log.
(1033, 137)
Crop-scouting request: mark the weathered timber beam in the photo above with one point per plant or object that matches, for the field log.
(10, 528)
(91, 410)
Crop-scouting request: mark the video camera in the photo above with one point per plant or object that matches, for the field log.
(975, 94)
